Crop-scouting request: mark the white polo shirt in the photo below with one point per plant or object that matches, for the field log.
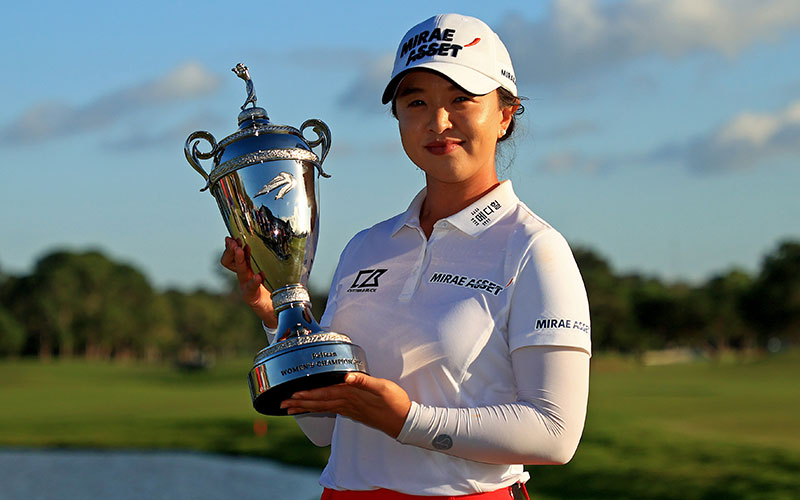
(440, 317)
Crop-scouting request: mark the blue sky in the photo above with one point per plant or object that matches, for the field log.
(663, 134)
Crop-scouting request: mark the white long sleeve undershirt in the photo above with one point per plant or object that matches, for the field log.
(543, 426)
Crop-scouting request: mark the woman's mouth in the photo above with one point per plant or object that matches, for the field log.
(442, 147)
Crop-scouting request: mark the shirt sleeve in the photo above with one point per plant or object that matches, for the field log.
(548, 303)
(543, 427)
(318, 427)
(271, 333)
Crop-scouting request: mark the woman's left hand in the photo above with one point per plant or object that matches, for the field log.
(376, 402)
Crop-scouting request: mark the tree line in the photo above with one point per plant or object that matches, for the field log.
(83, 304)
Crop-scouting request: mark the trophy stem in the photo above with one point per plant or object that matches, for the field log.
(296, 320)
(302, 357)
(293, 306)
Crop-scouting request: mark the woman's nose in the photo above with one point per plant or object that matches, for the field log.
(440, 120)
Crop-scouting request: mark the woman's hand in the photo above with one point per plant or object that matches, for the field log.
(376, 402)
(237, 259)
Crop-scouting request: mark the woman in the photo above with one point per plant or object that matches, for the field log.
(475, 324)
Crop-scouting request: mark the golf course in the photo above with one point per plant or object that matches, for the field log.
(701, 429)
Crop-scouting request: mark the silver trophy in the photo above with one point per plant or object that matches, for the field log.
(264, 183)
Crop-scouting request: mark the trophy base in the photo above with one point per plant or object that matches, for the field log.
(301, 363)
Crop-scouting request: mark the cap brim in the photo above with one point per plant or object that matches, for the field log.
(470, 80)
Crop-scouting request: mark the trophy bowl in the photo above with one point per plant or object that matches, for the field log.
(263, 180)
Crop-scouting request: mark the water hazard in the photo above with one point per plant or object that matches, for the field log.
(123, 475)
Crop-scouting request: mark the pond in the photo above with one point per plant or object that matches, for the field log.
(169, 475)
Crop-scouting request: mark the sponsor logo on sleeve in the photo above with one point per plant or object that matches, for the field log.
(561, 323)
(442, 442)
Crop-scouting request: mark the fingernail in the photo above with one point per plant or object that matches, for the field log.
(284, 404)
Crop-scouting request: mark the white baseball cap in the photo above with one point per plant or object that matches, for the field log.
(462, 48)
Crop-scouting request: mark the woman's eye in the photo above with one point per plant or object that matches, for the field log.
(416, 102)
(461, 98)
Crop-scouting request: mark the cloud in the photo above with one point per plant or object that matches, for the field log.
(582, 37)
(186, 81)
(579, 37)
(572, 130)
(365, 93)
(49, 120)
(140, 138)
(563, 162)
(745, 141)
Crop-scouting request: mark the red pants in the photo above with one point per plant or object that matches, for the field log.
(381, 494)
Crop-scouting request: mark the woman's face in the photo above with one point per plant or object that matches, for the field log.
(449, 134)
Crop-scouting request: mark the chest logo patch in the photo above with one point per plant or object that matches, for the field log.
(486, 286)
(367, 280)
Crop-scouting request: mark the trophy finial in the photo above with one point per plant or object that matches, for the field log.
(243, 73)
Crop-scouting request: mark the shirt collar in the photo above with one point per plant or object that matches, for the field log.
(410, 217)
(474, 219)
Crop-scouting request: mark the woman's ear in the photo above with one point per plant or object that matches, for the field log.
(505, 121)
(508, 114)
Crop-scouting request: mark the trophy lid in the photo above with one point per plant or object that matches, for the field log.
(254, 114)
(257, 141)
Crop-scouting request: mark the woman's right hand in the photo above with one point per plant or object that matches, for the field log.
(237, 259)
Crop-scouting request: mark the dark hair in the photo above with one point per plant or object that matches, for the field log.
(505, 99)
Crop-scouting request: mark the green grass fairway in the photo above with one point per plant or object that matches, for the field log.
(687, 431)
(693, 431)
(77, 404)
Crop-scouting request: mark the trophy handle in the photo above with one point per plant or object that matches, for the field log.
(323, 137)
(194, 156)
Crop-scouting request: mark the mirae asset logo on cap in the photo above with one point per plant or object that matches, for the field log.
(432, 43)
